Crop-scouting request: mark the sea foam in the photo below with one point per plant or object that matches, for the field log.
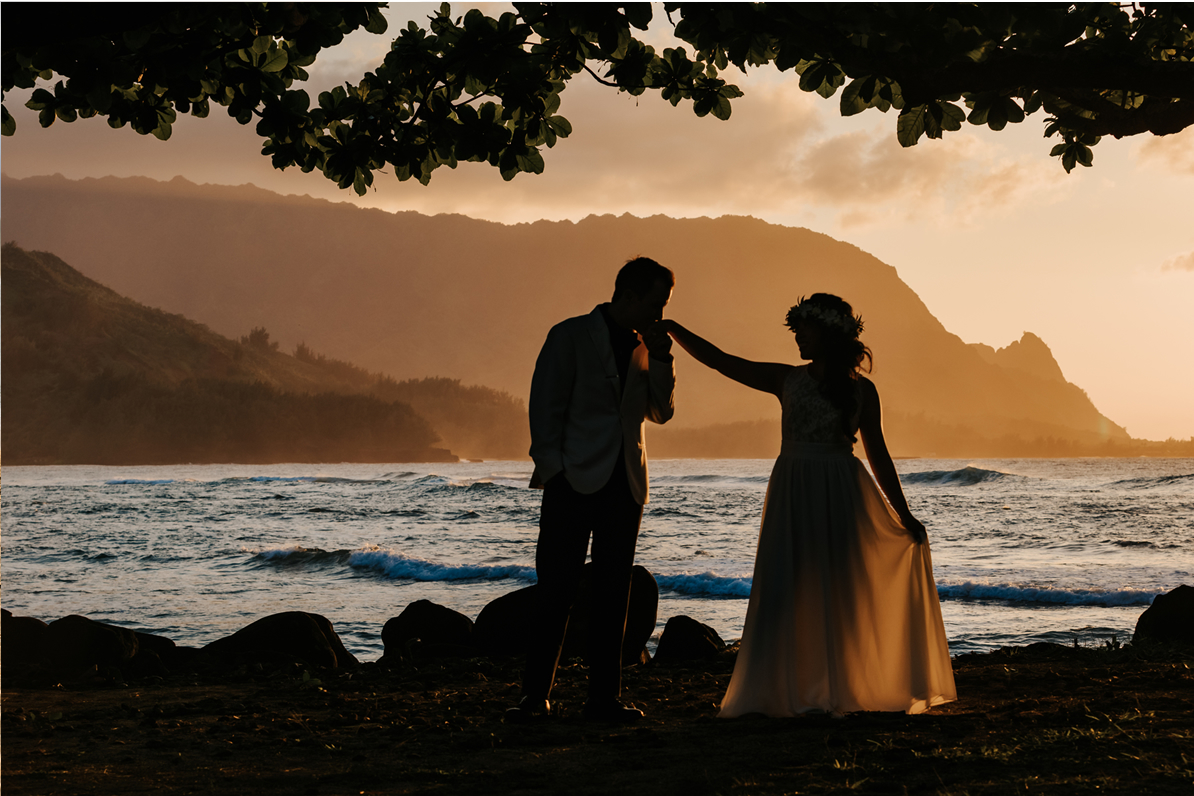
(1032, 594)
(709, 584)
(139, 481)
(704, 584)
(392, 564)
(709, 480)
(967, 476)
(1161, 481)
(401, 567)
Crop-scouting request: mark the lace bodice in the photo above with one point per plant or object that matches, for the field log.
(808, 416)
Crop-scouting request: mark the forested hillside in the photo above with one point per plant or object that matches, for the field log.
(92, 377)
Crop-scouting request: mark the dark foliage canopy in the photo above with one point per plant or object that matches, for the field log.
(475, 88)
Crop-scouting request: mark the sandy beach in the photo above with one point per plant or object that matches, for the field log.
(1043, 718)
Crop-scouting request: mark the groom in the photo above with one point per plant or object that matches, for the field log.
(598, 377)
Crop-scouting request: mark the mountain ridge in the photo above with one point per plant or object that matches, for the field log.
(414, 295)
(93, 377)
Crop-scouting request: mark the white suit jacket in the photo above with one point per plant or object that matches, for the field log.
(580, 415)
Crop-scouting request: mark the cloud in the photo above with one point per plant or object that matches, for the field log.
(1172, 153)
(1182, 262)
(865, 167)
(784, 153)
(642, 156)
(870, 179)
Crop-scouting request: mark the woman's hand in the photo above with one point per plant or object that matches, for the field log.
(916, 528)
(658, 341)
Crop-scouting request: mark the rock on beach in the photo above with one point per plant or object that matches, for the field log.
(75, 645)
(439, 630)
(78, 647)
(1169, 619)
(685, 639)
(278, 638)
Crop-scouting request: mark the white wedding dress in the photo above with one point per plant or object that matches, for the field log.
(843, 613)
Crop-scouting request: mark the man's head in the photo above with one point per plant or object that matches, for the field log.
(641, 291)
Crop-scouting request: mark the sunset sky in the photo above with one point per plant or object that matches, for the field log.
(992, 233)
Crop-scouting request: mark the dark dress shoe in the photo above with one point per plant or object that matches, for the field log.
(611, 710)
(527, 710)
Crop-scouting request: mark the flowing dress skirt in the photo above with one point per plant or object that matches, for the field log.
(843, 612)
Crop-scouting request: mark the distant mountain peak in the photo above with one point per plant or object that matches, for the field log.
(1029, 354)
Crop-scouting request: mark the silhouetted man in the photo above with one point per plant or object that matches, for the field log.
(598, 377)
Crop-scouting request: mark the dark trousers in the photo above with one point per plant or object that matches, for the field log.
(612, 517)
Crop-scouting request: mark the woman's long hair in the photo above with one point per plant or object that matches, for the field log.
(842, 353)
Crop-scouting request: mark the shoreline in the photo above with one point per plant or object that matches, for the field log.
(452, 458)
(1043, 717)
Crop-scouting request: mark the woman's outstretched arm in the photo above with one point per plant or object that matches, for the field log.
(871, 427)
(764, 376)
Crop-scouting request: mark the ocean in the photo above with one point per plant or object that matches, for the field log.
(1024, 550)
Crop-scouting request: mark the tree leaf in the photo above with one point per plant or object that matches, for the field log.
(996, 116)
(275, 62)
(830, 86)
(932, 119)
(100, 98)
(851, 103)
(812, 77)
(1012, 110)
(858, 95)
(40, 100)
(296, 101)
(561, 126)
(788, 57)
(951, 116)
(377, 23)
(722, 108)
(910, 125)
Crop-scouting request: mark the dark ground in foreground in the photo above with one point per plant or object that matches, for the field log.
(1037, 719)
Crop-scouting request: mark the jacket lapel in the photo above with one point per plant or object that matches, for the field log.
(599, 334)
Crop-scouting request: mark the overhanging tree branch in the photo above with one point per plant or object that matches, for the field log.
(476, 88)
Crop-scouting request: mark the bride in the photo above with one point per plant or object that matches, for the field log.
(843, 613)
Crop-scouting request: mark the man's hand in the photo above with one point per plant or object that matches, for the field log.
(658, 341)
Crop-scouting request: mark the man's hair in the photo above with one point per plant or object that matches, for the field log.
(639, 275)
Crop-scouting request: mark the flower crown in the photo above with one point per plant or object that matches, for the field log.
(843, 322)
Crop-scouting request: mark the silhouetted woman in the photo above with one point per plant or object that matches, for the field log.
(843, 613)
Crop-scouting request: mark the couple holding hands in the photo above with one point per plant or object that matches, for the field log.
(843, 613)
